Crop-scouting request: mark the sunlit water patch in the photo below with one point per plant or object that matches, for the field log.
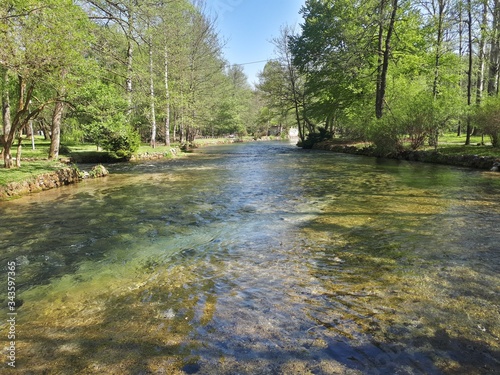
(259, 259)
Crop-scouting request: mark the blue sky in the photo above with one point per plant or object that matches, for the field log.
(247, 26)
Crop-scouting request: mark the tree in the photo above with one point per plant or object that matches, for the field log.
(494, 59)
(41, 40)
(326, 54)
(384, 52)
(119, 17)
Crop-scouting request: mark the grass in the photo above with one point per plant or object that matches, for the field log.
(27, 171)
(451, 144)
(487, 150)
(159, 149)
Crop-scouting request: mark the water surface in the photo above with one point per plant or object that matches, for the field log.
(259, 258)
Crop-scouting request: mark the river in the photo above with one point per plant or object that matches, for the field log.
(257, 258)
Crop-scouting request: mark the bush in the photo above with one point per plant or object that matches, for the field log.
(121, 144)
(387, 136)
(415, 115)
(487, 118)
(316, 137)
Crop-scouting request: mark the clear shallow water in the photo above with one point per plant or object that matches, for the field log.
(259, 258)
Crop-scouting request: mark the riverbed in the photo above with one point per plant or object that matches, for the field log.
(258, 258)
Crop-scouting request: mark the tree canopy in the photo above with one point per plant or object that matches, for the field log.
(94, 70)
(392, 70)
(117, 73)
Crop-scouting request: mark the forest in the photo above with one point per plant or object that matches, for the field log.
(116, 74)
(393, 72)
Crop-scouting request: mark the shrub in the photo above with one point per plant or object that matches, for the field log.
(122, 143)
(487, 118)
(316, 137)
(386, 135)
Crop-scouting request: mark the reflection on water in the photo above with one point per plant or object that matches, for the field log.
(259, 259)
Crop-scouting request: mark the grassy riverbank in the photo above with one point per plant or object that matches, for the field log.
(34, 161)
(451, 150)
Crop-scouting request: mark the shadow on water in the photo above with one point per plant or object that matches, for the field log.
(260, 259)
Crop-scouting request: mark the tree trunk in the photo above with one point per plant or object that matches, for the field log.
(494, 51)
(55, 139)
(55, 129)
(6, 120)
(9, 126)
(19, 149)
(382, 76)
(460, 55)
(176, 118)
(152, 95)
(167, 100)
(7, 156)
(439, 41)
(433, 139)
(482, 54)
(130, 54)
(380, 53)
(469, 72)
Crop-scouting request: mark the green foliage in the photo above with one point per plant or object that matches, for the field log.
(330, 54)
(387, 135)
(487, 117)
(73, 133)
(230, 114)
(109, 62)
(415, 116)
(121, 143)
(100, 111)
(315, 137)
(338, 51)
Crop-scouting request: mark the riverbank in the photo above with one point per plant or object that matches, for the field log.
(462, 160)
(49, 180)
(38, 174)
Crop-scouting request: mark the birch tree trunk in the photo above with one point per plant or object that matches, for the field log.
(482, 54)
(167, 99)
(152, 94)
(494, 51)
